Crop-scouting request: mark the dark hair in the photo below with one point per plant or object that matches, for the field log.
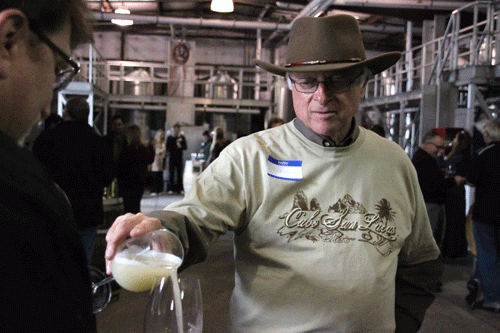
(50, 15)
(464, 144)
(52, 120)
(379, 129)
(275, 121)
(218, 133)
(118, 116)
(133, 135)
(78, 109)
(431, 135)
(492, 128)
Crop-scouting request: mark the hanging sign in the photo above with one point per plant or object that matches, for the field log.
(181, 53)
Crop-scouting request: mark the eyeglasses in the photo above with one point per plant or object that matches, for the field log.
(332, 85)
(65, 68)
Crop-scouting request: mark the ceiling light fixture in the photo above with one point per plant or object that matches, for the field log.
(122, 22)
(222, 6)
(122, 11)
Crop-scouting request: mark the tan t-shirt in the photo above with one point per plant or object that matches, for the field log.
(318, 230)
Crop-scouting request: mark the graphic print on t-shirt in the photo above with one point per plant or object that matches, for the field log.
(345, 221)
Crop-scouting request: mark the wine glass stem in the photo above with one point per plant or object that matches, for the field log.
(102, 282)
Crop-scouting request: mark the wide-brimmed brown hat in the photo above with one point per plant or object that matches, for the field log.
(331, 43)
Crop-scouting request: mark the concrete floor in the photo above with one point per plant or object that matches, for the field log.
(448, 313)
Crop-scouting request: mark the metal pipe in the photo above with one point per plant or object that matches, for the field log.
(199, 22)
(226, 110)
(232, 24)
(312, 8)
(415, 4)
(306, 11)
(258, 55)
(291, 6)
(409, 55)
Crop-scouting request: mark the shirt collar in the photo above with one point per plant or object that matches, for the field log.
(324, 141)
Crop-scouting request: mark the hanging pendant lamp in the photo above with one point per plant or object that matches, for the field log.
(222, 6)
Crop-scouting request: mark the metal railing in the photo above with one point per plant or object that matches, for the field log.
(138, 78)
(92, 68)
(475, 45)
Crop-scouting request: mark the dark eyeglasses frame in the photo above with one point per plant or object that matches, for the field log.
(335, 91)
(75, 67)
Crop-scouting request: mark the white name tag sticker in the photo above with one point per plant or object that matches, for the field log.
(288, 170)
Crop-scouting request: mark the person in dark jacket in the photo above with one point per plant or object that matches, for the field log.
(45, 280)
(116, 137)
(432, 180)
(219, 143)
(132, 169)
(485, 176)
(78, 160)
(456, 162)
(176, 144)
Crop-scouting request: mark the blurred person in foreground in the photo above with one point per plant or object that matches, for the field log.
(45, 280)
(326, 238)
(78, 160)
(485, 176)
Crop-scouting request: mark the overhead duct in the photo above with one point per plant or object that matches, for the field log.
(418, 5)
(312, 8)
(228, 24)
(196, 22)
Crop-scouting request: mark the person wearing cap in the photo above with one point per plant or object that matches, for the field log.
(331, 230)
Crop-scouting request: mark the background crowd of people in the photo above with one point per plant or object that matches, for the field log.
(84, 164)
(444, 169)
(446, 163)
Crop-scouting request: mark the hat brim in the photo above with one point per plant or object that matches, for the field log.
(376, 65)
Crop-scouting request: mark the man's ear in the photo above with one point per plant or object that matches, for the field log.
(13, 28)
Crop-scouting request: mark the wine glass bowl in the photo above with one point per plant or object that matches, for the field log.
(140, 260)
(101, 292)
(161, 241)
(174, 306)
